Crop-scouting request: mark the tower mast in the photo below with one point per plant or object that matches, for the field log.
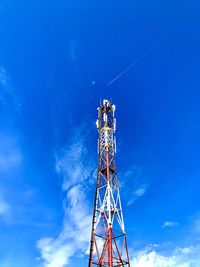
(108, 246)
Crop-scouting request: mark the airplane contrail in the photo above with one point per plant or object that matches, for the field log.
(129, 67)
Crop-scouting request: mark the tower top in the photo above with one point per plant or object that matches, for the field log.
(106, 104)
(106, 115)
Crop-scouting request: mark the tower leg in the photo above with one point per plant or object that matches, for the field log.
(110, 251)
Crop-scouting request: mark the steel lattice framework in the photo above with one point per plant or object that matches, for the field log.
(108, 246)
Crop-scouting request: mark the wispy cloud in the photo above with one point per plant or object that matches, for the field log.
(4, 208)
(180, 257)
(73, 49)
(139, 192)
(171, 254)
(74, 165)
(10, 153)
(138, 183)
(196, 226)
(8, 97)
(169, 224)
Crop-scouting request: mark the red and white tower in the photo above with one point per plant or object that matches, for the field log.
(108, 240)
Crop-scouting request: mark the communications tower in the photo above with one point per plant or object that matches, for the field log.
(108, 246)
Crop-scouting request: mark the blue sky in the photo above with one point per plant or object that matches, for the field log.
(56, 58)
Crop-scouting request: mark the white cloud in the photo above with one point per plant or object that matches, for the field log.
(180, 257)
(70, 164)
(4, 207)
(138, 183)
(169, 224)
(8, 97)
(55, 252)
(196, 226)
(73, 49)
(139, 192)
(74, 165)
(10, 153)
